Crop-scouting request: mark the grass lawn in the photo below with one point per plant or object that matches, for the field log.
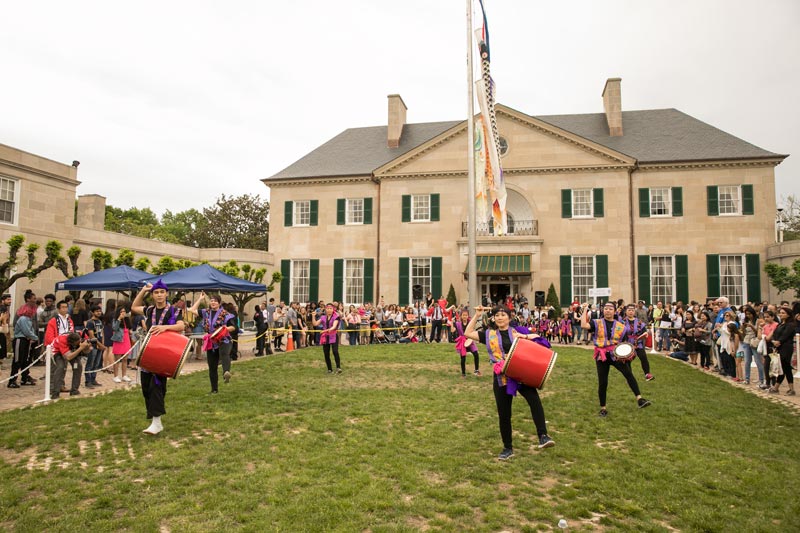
(399, 442)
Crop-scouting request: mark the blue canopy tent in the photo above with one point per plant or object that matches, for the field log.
(206, 277)
(121, 278)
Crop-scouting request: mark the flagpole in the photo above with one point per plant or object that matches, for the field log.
(472, 262)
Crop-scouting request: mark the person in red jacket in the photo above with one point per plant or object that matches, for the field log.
(60, 324)
(66, 349)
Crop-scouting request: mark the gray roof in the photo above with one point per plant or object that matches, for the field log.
(359, 151)
(649, 136)
(660, 135)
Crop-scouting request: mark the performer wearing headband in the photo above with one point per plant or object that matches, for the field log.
(329, 336)
(608, 333)
(498, 339)
(159, 317)
(637, 332)
(219, 348)
(463, 344)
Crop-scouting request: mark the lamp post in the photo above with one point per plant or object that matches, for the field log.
(779, 225)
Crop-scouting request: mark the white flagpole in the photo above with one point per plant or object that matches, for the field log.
(472, 261)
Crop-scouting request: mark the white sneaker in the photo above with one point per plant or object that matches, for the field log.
(116, 380)
(155, 426)
(126, 379)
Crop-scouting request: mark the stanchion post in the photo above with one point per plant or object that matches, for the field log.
(797, 354)
(48, 352)
(653, 339)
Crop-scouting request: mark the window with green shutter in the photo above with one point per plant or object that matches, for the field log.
(748, 205)
(434, 207)
(566, 204)
(713, 204)
(286, 273)
(677, 201)
(599, 211)
(313, 210)
(565, 283)
(712, 275)
(644, 202)
(406, 212)
(436, 277)
(367, 210)
(601, 265)
(338, 279)
(369, 280)
(403, 281)
(341, 206)
(753, 265)
(313, 280)
(643, 267)
(682, 278)
(287, 213)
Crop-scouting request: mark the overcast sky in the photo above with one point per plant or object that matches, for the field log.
(169, 104)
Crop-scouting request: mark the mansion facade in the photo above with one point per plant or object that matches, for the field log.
(652, 204)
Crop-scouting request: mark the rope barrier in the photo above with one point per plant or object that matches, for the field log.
(9, 378)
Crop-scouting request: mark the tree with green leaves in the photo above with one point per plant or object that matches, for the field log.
(235, 222)
(30, 270)
(247, 273)
(101, 259)
(784, 278)
(451, 296)
(553, 301)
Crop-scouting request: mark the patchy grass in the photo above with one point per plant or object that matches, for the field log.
(400, 442)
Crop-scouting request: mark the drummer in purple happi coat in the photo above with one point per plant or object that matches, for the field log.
(637, 332)
(498, 339)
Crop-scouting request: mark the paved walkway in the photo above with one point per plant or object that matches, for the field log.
(29, 396)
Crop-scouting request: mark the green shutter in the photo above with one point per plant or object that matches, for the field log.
(313, 280)
(287, 213)
(286, 272)
(677, 202)
(436, 277)
(713, 206)
(338, 279)
(598, 203)
(566, 208)
(341, 207)
(369, 279)
(406, 217)
(367, 210)
(565, 286)
(434, 207)
(601, 266)
(753, 264)
(313, 210)
(403, 281)
(712, 275)
(644, 203)
(643, 265)
(748, 207)
(682, 278)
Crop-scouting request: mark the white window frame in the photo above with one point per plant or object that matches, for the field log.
(667, 202)
(298, 213)
(417, 199)
(418, 263)
(573, 276)
(14, 191)
(659, 295)
(737, 200)
(353, 282)
(300, 284)
(575, 203)
(737, 298)
(354, 212)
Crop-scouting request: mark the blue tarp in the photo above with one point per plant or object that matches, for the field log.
(204, 277)
(121, 278)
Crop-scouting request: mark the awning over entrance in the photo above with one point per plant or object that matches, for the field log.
(503, 264)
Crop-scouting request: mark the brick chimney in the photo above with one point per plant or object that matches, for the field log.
(612, 103)
(397, 119)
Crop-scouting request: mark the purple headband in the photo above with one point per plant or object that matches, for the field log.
(159, 285)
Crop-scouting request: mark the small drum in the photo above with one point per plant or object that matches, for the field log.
(220, 333)
(624, 352)
(164, 354)
(529, 362)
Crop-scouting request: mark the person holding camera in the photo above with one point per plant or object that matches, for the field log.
(66, 349)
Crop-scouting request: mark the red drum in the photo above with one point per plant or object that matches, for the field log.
(164, 354)
(648, 343)
(529, 362)
(220, 333)
(624, 352)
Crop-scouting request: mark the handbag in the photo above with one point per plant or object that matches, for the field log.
(754, 342)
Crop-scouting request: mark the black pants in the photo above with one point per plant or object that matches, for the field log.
(504, 401)
(464, 362)
(705, 354)
(728, 363)
(22, 358)
(641, 353)
(154, 389)
(260, 341)
(213, 357)
(603, 368)
(326, 349)
(786, 365)
(436, 331)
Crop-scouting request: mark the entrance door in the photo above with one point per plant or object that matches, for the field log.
(499, 287)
